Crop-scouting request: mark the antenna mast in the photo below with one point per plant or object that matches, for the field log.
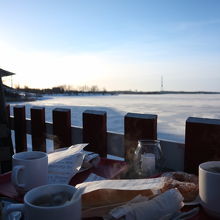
(161, 85)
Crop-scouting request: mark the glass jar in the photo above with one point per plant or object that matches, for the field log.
(148, 158)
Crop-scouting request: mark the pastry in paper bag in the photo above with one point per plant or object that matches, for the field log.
(107, 194)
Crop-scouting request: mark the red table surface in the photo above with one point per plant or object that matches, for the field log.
(107, 168)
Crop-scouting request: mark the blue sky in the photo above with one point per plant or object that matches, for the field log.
(114, 44)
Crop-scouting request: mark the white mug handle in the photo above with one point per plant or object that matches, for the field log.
(15, 174)
(11, 208)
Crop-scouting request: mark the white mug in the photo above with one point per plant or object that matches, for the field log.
(52, 201)
(29, 170)
(209, 187)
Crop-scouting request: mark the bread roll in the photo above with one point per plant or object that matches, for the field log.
(186, 183)
(105, 197)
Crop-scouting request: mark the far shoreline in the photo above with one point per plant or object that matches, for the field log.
(31, 97)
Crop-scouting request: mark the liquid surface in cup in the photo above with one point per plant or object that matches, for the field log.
(31, 158)
(55, 199)
(213, 169)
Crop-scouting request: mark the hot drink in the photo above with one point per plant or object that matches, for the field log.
(51, 201)
(55, 199)
(209, 191)
(31, 158)
(214, 169)
(30, 169)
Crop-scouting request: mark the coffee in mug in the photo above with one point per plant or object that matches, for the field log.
(29, 170)
(209, 187)
(53, 201)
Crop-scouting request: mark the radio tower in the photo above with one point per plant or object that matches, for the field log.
(161, 84)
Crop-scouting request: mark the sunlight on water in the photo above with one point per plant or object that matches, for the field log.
(172, 109)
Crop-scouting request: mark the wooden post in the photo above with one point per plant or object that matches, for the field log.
(20, 128)
(6, 146)
(202, 142)
(95, 131)
(8, 114)
(62, 127)
(136, 127)
(38, 129)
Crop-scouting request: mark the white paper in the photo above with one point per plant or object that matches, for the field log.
(154, 184)
(90, 160)
(121, 211)
(162, 207)
(63, 164)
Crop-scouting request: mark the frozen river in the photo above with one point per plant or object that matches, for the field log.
(172, 109)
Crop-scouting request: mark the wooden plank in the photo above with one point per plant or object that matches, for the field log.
(5, 154)
(62, 127)
(38, 129)
(8, 114)
(115, 144)
(20, 128)
(136, 127)
(6, 145)
(95, 131)
(76, 132)
(173, 151)
(4, 131)
(202, 142)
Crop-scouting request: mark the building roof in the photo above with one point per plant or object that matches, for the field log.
(5, 73)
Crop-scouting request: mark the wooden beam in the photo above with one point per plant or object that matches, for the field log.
(62, 127)
(95, 131)
(202, 142)
(136, 127)
(38, 129)
(20, 128)
(5, 134)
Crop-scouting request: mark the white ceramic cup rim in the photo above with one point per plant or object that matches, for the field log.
(30, 193)
(22, 156)
(206, 165)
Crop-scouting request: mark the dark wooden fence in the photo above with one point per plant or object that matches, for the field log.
(202, 136)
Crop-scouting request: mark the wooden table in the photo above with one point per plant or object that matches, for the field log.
(107, 168)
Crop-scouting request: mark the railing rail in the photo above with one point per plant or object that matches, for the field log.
(202, 135)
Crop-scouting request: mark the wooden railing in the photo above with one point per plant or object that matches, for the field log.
(202, 136)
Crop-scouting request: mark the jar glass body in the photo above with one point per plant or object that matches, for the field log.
(148, 159)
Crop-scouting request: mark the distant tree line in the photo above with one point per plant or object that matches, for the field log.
(26, 92)
(63, 89)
